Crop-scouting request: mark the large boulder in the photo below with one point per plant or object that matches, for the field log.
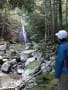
(6, 67)
(3, 47)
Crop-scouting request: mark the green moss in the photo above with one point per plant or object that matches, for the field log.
(33, 65)
(45, 82)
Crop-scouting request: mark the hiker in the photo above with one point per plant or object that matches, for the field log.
(61, 67)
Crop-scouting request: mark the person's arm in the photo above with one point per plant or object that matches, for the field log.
(59, 61)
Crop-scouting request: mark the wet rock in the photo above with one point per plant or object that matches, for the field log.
(53, 57)
(6, 67)
(26, 74)
(5, 60)
(28, 46)
(3, 47)
(31, 83)
(13, 69)
(43, 67)
(14, 54)
(37, 54)
(13, 61)
(29, 60)
(20, 70)
(23, 57)
(28, 51)
(17, 67)
(18, 59)
(1, 60)
(1, 57)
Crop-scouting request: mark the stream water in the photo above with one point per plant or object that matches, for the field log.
(23, 34)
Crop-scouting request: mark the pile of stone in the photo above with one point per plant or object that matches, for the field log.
(18, 64)
(27, 64)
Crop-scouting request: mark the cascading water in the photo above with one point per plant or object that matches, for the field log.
(23, 33)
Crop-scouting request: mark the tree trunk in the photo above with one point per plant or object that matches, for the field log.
(60, 14)
(66, 15)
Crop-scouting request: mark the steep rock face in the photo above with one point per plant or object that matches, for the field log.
(10, 35)
(14, 36)
(9, 29)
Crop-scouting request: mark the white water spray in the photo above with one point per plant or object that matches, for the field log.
(23, 23)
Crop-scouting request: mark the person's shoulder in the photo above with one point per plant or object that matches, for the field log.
(62, 46)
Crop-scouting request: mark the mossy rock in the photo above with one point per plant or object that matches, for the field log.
(33, 65)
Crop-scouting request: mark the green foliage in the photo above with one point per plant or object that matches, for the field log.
(41, 16)
(45, 82)
(26, 4)
(33, 65)
(45, 78)
(2, 2)
(37, 24)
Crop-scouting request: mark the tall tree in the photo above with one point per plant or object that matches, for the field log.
(66, 13)
(60, 13)
(26, 4)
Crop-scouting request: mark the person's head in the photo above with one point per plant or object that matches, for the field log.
(61, 35)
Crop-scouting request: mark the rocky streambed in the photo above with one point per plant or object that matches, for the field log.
(19, 67)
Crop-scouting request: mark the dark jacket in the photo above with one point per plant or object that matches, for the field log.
(62, 59)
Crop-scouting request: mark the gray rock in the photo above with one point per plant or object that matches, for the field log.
(28, 51)
(3, 47)
(23, 57)
(6, 67)
(13, 61)
(1, 60)
(5, 60)
(29, 60)
(1, 57)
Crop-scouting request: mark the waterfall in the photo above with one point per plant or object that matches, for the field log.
(23, 33)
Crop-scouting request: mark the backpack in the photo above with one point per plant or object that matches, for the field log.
(66, 61)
